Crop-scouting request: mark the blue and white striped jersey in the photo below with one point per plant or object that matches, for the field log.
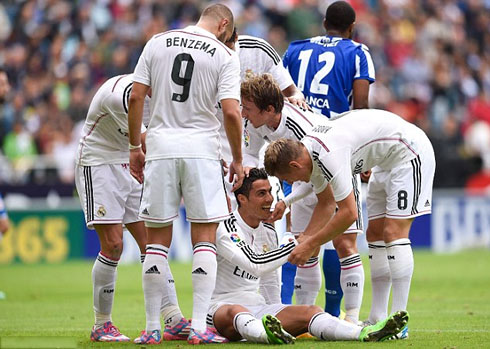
(325, 67)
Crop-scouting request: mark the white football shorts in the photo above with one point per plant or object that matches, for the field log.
(404, 191)
(198, 181)
(108, 194)
(257, 311)
(302, 210)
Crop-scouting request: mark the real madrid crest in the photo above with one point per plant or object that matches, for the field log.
(101, 211)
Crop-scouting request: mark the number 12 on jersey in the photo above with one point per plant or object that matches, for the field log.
(315, 86)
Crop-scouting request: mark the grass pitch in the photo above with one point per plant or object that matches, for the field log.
(51, 305)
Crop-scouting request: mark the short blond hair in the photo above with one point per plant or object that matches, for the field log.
(279, 154)
(263, 91)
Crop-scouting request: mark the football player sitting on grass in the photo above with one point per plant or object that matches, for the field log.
(246, 301)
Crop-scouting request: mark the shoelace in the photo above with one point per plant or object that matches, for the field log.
(113, 330)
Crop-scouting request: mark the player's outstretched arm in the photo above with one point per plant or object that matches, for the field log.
(340, 222)
(233, 126)
(135, 116)
(233, 248)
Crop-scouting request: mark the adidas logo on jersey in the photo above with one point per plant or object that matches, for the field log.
(153, 270)
(199, 271)
(145, 211)
(427, 203)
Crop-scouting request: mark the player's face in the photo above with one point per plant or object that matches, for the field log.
(253, 114)
(294, 175)
(259, 200)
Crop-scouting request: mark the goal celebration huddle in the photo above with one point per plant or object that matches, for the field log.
(219, 122)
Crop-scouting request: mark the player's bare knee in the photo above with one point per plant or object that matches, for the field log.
(345, 245)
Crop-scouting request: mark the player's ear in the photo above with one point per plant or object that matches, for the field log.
(350, 30)
(325, 23)
(294, 165)
(270, 109)
(241, 199)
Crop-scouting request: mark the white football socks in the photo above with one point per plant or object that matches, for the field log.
(327, 327)
(250, 328)
(352, 283)
(380, 280)
(308, 282)
(104, 274)
(154, 283)
(400, 259)
(170, 310)
(203, 282)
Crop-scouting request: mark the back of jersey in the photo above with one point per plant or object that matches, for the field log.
(325, 68)
(188, 70)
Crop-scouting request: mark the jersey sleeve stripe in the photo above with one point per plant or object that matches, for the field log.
(296, 128)
(268, 256)
(319, 141)
(268, 49)
(320, 164)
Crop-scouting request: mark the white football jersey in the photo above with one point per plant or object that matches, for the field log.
(256, 56)
(295, 124)
(105, 132)
(188, 71)
(358, 141)
(244, 255)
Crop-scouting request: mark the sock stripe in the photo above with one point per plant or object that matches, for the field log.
(399, 244)
(204, 250)
(164, 250)
(158, 254)
(104, 260)
(376, 246)
(351, 260)
(206, 245)
(351, 267)
(313, 318)
(209, 320)
(142, 257)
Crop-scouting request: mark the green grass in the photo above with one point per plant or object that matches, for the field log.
(449, 302)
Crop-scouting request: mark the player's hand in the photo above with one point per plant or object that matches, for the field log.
(137, 164)
(278, 211)
(224, 165)
(236, 175)
(246, 170)
(299, 102)
(301, 253)
(365, 176)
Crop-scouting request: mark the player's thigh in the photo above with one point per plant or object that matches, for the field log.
(296, 318)
(103, 192)
(376, 194)
(301, 212)
(203, 190)
(161, 198)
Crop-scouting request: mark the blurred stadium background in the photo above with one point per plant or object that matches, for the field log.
(432, 62)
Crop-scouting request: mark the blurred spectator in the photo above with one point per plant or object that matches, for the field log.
(432, 57)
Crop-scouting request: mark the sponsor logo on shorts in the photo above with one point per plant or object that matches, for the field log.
(101, 212)
(235, 238)
(427, 203)
(145, 211)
